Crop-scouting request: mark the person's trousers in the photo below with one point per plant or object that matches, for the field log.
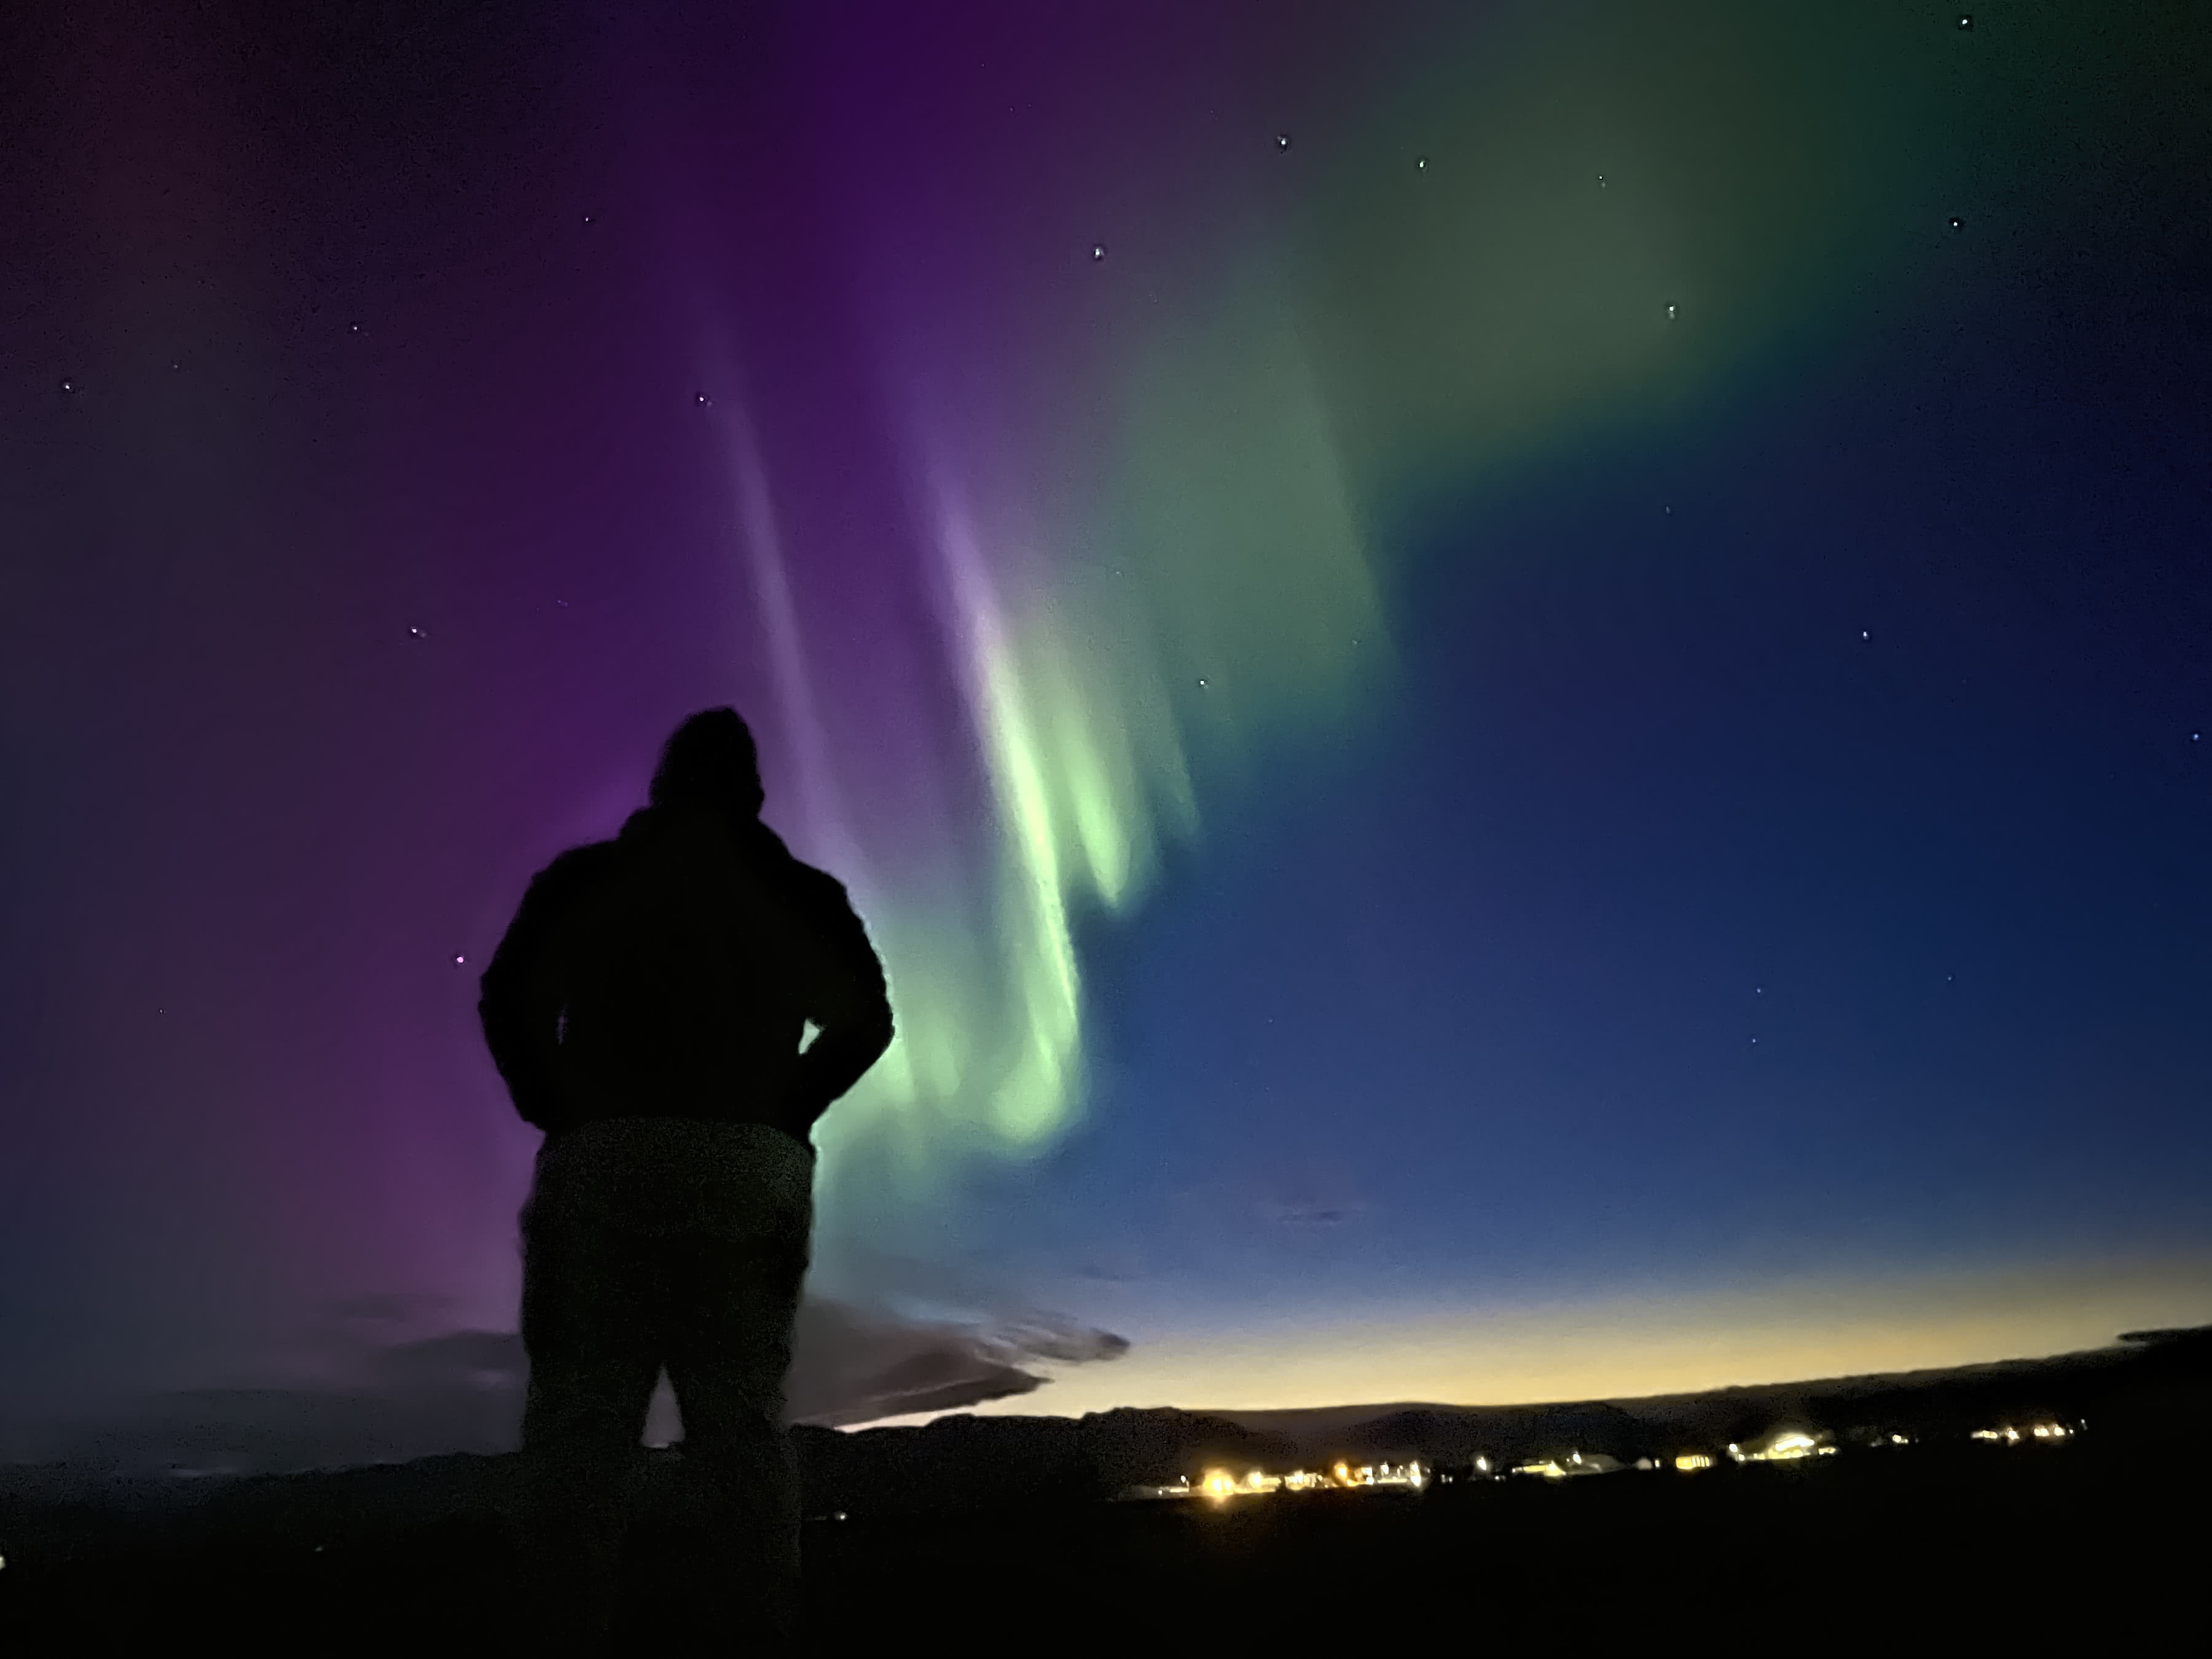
(652, 1243)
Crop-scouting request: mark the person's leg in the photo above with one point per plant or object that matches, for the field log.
(588, 1327)
(730, 1346)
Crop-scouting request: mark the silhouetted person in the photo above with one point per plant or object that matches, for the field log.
(646, 1009)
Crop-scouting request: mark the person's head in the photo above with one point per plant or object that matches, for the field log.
(710, 761)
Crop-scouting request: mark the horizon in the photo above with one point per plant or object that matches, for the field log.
(1312, 1419)
(2036, 1341)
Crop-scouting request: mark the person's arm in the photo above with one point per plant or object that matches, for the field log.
(522, 992)
(846, 998)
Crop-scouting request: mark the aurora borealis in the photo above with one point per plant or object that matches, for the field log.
(1214, 570)
(1524, 676)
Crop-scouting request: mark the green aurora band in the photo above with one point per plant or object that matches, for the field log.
(1590, 224)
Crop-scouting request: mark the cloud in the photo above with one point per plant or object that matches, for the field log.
(458, 1392)
(1309, 1192)
(1310, 1214)
(1070, 1344)
(854, 1364)
(462, 1391)
(388, 1307)
(1122, 1269)
(1272, 1193)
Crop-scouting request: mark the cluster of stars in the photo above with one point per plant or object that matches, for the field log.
(1282, 142)
(177, 364)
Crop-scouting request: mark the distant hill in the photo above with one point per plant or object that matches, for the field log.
(978, 1462)
(2144, 1366)
(2130, 1395)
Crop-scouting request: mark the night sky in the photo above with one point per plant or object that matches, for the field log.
(1517, 691)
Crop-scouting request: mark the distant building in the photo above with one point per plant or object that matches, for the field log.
(1789, 1446)
(1574, 1463)
(2011, 1434)
(1220, 1485)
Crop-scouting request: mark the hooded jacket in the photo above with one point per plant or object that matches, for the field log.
(670, 973)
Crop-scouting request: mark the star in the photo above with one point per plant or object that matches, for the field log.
(418, 633)
(1670, 314)
(1864, 634)
(1282, 141)
(704, 401)
(1966, 21)
(68, 385)
(459, 959)
(1956, 221)
(1422, 162)
(1098, 250)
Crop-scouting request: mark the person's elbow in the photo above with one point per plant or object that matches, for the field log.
(859, 1032)
(871, 1034)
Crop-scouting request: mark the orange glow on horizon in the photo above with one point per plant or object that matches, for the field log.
(1624, 1348)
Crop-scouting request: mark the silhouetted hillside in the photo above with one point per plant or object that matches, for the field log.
(2135, 1389)
(2129, 1394)
(966, 1462)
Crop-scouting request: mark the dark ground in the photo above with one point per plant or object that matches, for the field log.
(1970, 1549)
(993, 1535)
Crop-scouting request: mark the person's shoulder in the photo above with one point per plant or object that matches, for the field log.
(798, 877)
(578, 864)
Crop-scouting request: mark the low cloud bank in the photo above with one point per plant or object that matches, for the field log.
(462, 1391)
(853, 1366)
